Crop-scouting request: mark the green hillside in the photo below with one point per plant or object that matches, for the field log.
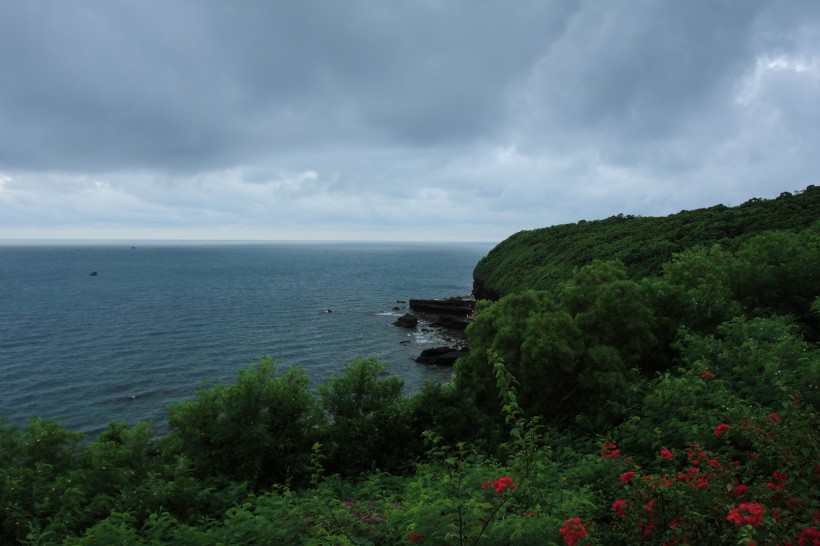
(540, 259)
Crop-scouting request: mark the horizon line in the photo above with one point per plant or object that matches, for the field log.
(66, 240)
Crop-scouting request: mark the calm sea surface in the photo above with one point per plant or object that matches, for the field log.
(158, 320)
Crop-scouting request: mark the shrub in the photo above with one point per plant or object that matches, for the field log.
(258, 430)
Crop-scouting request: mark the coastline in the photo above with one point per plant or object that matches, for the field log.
(447, 319)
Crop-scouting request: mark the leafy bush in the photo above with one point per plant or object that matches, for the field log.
(257, 431)
(368, 420)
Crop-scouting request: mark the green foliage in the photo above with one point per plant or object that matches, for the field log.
(760, 359)
(758, 482)
(612, 313)
(540, 344)
(42, 482)
(699, 383)
(445, 411)
(368, 421)
(542, 259)
(571, 353)
(697, 287)
(779, 273)
(258, 430)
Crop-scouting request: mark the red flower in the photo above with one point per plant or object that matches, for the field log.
(626, 476)
(809, 533)
(573, 531)
(778, 482)
(500, 485)
(619, 506)
(707, 375)
(418, 539)
(740, 490)
(610, 450)
(720, 429)
(773, 417)
(666, 454)
(748, 513)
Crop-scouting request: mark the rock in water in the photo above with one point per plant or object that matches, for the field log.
(450, 306)
(443, 356)
(407, 321)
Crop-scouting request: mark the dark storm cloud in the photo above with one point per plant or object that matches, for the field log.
(306, 118)
(641, 70)
(203, 84)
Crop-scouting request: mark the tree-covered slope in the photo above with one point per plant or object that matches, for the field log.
(540, 259)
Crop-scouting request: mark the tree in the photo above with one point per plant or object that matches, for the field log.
(367, 419)
(258, 430)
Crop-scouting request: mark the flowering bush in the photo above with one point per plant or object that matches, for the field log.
(500, 485)
(748, 513)
(573, 531)
(720, 429)
(727, 495)
(610, 450)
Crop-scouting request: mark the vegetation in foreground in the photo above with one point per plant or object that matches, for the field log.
(678, 407)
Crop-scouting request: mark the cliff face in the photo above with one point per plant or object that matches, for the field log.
(543, 258)
(481, 292)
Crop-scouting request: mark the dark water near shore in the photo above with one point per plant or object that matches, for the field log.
(159, 319)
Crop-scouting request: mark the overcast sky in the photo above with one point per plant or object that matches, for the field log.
(405, 120)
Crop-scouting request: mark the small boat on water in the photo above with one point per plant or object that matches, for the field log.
(93, 273)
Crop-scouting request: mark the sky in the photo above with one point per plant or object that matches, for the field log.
(419, 120)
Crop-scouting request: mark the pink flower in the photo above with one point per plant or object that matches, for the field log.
(666, 454)
(720, 429)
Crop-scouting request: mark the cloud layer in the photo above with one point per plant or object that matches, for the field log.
(419, 120)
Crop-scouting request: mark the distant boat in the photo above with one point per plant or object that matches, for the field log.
(93, 273)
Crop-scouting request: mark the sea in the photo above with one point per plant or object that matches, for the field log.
(97, 332)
